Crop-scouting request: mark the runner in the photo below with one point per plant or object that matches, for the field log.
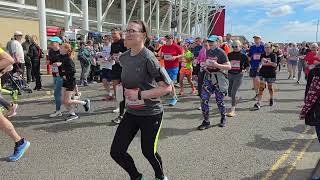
(197, 46)
(117, 47)
(186, 69)
(293, 53)
(54, 58)
(279, 54)
(67, 72)
(106, 63)
(144, 110)
(21, 145)
(239, 65)
(312, 58)
(171, 53)
(215, 81)
(267, 73)
(255, 53)
(311, 108)
(302, 63)
(229, 41)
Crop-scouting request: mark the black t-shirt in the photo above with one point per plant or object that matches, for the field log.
(238, 61)
(117, 47)
(304, 51)
(268, 71)
(54, 56)
(67, 68)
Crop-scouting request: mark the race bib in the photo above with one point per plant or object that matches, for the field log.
(183, 64)
(54, 69)
(235, 64)
(135, 104)
(210, 62)
(168, 57)
(256, 56)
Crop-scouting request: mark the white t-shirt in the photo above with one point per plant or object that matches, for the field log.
(105, 63)
(16, 48)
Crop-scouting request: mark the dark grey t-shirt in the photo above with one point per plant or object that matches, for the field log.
(140, 71)
(217, 55)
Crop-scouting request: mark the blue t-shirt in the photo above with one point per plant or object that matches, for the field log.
(255, 53)
(196, 50)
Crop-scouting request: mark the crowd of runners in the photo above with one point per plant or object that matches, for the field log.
(136, 70)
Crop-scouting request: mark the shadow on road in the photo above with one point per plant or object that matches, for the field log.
(297, 129)
(69, 126)
(284, 111)
(281, 145)
(289, 90)
(289, 100)
(303, 174)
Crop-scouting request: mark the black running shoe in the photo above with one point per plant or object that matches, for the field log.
(256, 107)
(271, 102)
(204, 126)
(87, 105)
(117, 120)
(223, 122)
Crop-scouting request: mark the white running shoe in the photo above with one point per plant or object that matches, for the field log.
(56, 114)
(116, 110)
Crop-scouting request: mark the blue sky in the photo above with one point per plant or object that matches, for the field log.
(274, 20)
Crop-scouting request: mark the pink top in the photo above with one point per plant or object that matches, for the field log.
(202, 55)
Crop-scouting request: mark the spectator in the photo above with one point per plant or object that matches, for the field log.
(17, 53)
(25, 45)
(35, 55)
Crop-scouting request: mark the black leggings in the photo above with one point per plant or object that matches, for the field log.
(128, 128)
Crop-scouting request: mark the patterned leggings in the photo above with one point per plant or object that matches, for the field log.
(207, 90)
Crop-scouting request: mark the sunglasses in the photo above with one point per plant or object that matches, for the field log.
(235, 46)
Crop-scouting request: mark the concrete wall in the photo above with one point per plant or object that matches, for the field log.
(10, 25)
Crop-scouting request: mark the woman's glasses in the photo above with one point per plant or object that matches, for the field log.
(131, 31)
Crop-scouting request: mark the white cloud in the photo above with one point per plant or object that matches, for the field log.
(299, 27)
(313, 6)
(280, 11)
(261, 22)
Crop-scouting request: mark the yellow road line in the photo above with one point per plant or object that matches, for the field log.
(284, 156)
(298, 158)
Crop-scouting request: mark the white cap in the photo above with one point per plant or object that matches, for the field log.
(18, 33)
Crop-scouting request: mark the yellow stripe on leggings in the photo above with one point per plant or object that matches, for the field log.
(157, 137)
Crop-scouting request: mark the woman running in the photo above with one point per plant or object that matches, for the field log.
(186, 69)
(140, 71)
(215, 81)
(67, 72)
(293, 53)
(239, 65)
(54, 58)
(21, 145)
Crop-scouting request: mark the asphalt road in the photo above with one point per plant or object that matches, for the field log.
(254, 145)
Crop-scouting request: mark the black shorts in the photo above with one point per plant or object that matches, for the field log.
(196, 70)
(106, 74)
(116, 72)
(69, 84)
(253, 73)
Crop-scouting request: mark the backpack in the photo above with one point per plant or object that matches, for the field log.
(84, 56)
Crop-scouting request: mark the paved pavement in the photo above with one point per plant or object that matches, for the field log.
(254, 145)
